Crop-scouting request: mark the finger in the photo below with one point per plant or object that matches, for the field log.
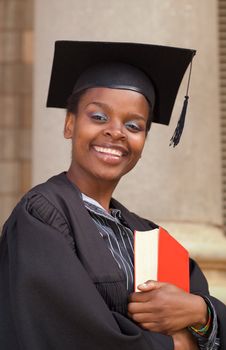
(149, 285)
(145, 291)
(134, 308)
(140, 297)
(142, 318)
(152, 326)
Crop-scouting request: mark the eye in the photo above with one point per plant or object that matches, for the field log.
(99, 117)
(134, 126)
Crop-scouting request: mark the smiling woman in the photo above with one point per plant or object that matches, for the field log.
(66, 253)
(108, 134)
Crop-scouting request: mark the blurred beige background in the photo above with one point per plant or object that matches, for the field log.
(182, 188)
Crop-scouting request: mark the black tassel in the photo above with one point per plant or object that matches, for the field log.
(175, 139)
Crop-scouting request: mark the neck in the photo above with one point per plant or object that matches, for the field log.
(97, 189)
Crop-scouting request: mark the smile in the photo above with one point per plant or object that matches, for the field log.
(110, 151)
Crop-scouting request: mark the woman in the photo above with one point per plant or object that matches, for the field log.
(66, 254)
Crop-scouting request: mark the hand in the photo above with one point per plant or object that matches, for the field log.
(165, 308)
(183, 340)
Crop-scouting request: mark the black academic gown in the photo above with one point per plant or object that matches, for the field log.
(60, 288)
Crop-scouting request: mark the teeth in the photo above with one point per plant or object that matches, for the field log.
(115, 152)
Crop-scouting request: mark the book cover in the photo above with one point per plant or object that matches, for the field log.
(159, 256)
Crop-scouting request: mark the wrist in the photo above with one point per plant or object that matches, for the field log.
(203, 329)
(184, 340)
(201, 313)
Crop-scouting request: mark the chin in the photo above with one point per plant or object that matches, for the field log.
(108, 174)
(109, 177)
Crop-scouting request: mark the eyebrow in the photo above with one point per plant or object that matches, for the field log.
(99, 104)
(105, 105)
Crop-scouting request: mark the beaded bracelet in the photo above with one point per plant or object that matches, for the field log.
(203, 330)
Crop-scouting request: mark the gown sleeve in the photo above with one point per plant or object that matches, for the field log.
(199, 285)
(48, 301)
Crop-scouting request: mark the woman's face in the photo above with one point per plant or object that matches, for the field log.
(108, 133)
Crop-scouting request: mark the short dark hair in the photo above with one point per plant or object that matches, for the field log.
(74, 99)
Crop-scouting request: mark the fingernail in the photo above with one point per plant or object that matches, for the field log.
(143, 285)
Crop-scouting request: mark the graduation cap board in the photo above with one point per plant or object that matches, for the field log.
(153, 70)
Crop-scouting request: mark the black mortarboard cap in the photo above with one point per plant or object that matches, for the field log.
(153, 70)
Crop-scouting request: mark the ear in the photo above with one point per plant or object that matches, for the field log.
(69, 125)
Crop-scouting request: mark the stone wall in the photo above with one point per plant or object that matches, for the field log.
(16, 61)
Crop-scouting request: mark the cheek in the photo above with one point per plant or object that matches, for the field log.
(138, 145)
(82, 139)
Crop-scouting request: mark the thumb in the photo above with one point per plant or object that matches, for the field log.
(149, 285)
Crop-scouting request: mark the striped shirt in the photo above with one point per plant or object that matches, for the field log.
(119, 240)
(117, 236)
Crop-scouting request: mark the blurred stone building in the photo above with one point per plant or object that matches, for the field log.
(184, 188)
(16, 66)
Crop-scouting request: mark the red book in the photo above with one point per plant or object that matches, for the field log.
(158, 256)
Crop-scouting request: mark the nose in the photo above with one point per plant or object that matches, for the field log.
(115, 132)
